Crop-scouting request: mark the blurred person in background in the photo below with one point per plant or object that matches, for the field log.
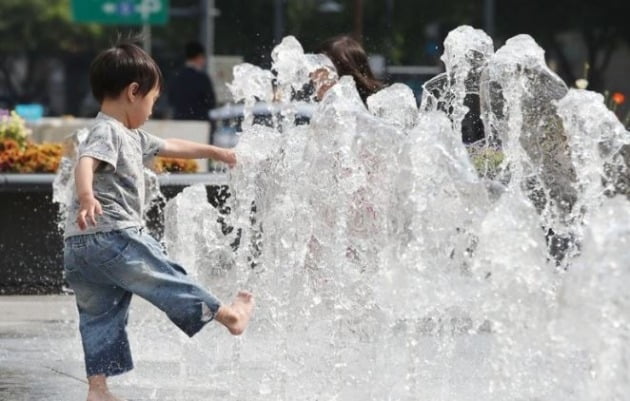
(190, 92)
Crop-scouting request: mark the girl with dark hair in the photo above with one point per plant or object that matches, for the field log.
(349, 58)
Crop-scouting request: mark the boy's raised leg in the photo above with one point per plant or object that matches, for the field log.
(98, 390)
(236, 316)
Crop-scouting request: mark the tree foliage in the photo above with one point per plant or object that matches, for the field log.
(404, 31)
(44, 27)
(602, 25)
(33, 32)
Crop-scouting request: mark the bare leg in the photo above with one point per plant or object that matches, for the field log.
(236, 316)
(98, 390)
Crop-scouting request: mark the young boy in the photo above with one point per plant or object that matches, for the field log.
(107, 255)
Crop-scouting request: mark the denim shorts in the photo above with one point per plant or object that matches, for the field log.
(105, 270)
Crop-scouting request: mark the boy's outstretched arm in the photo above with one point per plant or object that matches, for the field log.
(88, 205)
(184, 149)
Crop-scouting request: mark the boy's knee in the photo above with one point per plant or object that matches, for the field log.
(99, 304)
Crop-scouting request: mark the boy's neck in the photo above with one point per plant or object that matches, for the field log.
(115, 110)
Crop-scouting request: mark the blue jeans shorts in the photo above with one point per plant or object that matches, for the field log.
(105, 270)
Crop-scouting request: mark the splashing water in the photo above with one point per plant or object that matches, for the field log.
(386, 268)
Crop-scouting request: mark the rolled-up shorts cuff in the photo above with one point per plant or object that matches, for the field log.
(112, 369)
(207, 312)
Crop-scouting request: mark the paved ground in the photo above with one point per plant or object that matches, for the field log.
(41, 359)
(41, 356)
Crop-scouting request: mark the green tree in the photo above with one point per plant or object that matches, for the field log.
(395, 28)
(602, 25)
(35, 31)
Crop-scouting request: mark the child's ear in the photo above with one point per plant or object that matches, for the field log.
(132, 91)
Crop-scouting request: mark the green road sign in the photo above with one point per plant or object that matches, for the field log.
(121, 12)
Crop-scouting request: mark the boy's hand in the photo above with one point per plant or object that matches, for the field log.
(181, 148)
(88, 208)
(228, 157)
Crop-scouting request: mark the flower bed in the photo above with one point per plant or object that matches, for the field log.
(19, 155)
(172, 165)
(31, 158)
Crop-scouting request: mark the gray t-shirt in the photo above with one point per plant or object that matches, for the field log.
(119, 179)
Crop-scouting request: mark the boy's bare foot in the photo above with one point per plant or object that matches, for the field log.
(102, 396)
(236, 316)
(98, 390)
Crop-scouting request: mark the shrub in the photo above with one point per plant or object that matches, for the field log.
(19, 155)
(13, 127)
(487, 162)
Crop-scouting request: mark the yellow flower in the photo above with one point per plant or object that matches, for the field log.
(172, 165)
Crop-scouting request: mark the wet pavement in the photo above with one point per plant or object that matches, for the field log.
(41, 359)
(41, 355)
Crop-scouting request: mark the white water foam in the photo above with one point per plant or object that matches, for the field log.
(385, 269)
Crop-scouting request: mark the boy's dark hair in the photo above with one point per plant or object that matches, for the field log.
(194, 49)
(117, 67)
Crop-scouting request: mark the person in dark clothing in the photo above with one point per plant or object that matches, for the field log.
(191, 92)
